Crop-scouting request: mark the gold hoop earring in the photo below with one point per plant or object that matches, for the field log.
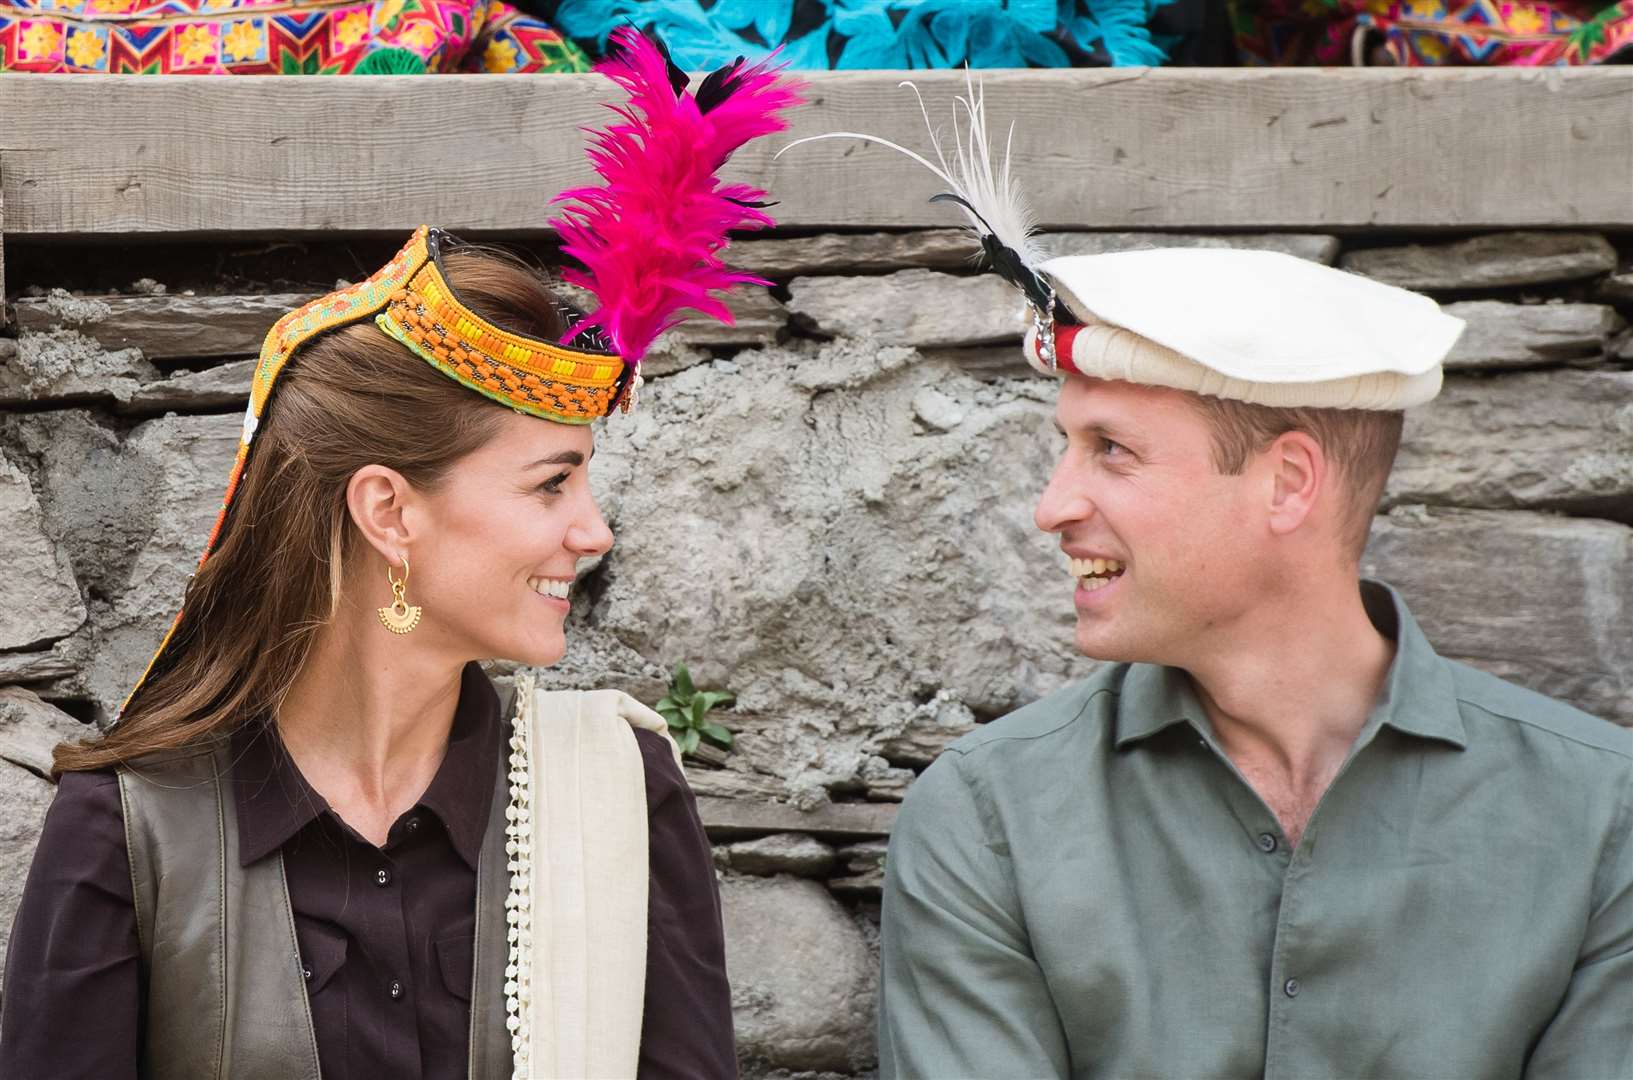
(401, 617)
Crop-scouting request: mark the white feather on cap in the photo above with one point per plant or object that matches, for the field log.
(1256, 326)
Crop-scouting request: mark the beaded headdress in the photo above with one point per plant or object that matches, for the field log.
(648, 241)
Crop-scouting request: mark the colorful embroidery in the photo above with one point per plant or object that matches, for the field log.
(1413, 33)
(277, 37)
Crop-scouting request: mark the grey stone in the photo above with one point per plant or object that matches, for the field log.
(863, 869)
(803, 981)
(1543, 440)
(1544, 601)
(64, 365)
(1315, 247)
(206, 388)
(781, 853)
(1528, 335)
(936, 411)
(166, 327)
(927, 730)
(910, 307)
(854, 253)
(133, 515)
(1490, 261)
(30, 729)
(841, 569)
(729, 819)
(39, 598)
(1616, 289)
(19, 667)
(24, 798)
(883, 782)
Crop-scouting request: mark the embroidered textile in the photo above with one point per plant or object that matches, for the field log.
(1432, 33)
(278, 37)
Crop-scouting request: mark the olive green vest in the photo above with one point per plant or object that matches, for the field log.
(219, 959)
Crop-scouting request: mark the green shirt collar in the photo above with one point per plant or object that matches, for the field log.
(1418, 697)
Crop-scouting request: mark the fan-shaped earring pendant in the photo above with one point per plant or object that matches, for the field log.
(400, 617)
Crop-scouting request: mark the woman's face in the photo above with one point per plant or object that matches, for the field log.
(496, 545)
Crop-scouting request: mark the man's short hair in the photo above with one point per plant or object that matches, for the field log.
(1360, 443)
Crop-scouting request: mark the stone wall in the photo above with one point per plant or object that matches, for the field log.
(826, 509)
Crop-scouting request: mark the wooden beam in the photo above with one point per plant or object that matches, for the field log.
(1111, 149)
(726, 819)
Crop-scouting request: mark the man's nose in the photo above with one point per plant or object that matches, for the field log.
(1063, 502)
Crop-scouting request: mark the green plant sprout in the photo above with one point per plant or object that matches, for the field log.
(686, 710)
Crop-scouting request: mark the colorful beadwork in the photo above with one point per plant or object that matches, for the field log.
(278, 37)
(552, 381)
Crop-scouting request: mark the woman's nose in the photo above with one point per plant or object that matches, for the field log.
(591, 535)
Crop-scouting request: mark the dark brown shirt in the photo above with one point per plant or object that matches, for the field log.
(385, 933)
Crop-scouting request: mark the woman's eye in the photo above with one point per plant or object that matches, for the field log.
(552, 486)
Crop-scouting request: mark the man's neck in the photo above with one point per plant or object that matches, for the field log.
(1290, 692)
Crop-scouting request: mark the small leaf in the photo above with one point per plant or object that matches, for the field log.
(699, 707)
(711, 698)
(718, 734)
(688, 741)
(683, 681)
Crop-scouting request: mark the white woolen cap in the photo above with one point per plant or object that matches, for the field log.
(1255, 326)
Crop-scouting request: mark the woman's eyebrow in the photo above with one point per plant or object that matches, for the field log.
(565, 457)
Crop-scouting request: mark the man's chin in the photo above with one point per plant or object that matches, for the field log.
(1097, 642)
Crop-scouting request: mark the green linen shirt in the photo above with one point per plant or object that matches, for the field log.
(1089, 888)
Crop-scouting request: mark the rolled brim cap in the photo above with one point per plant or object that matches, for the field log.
(1256, 326)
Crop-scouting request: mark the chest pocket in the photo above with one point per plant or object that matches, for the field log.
(323, 951)
(454, 958)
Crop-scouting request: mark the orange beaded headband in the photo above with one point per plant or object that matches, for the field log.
(411, 300)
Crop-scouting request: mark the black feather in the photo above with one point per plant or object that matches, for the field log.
(719, 85)
(1003, 260)
(678, 79)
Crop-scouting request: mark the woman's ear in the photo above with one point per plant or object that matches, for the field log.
(376, 499)
(1298, 474)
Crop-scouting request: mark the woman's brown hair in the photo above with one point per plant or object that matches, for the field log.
(351, 398)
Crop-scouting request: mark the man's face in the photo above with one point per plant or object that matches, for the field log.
(1136, 486)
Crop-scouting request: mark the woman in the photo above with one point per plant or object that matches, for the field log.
(309, 843)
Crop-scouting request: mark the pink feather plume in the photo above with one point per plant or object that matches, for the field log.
(649, 238)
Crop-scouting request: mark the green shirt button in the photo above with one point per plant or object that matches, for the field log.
(1291, 988)
(1267, 842)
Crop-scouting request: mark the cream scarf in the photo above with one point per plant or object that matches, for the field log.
(576, 832)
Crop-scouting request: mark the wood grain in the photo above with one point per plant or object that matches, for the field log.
(1111, 149)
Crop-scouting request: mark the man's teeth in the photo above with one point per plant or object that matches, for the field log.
(551, 587)
(1090, 571)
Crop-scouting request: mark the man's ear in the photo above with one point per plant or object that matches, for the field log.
(376, 498)
(1298, 476)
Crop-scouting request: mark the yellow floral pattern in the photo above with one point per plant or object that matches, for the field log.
(289, 37)
(41, 39)
(196, 44)
(354, 27)
(243, 41)
(85, 48)
(499, 57)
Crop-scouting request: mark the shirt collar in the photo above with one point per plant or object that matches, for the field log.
(1418, 696)
(274, 801)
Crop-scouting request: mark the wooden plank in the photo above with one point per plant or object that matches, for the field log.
(727, 818)
(1111, 149)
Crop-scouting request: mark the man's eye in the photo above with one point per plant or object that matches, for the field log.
(552, 486)
(1112, 448)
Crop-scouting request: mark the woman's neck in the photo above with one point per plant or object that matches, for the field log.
(367, 719)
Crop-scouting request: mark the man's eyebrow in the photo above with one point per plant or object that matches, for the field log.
(565, 457)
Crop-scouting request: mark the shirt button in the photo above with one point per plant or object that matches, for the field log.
(1267, 842)
(412, 824)
(395, 990)
(1291, 988)
(306, 972)
(382, 877)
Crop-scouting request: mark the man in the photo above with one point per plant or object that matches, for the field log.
(1276, 835)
